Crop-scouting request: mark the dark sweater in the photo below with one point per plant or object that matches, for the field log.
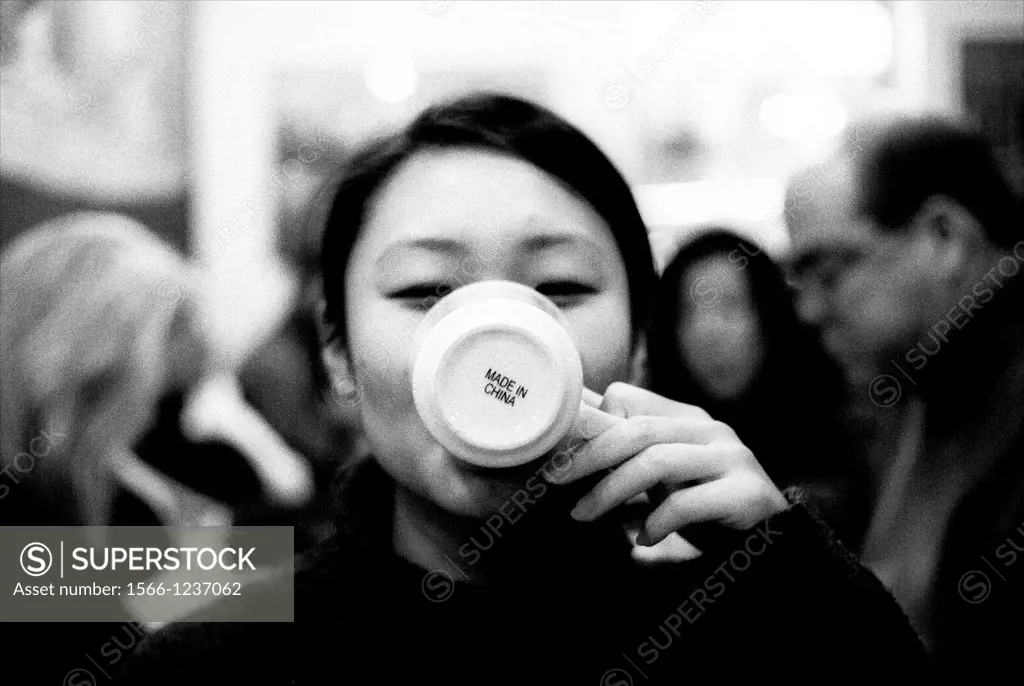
(784, 598)
(974, 390)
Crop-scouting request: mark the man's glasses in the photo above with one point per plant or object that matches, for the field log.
(822, 270)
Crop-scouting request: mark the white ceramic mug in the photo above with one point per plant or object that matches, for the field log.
(496, 377)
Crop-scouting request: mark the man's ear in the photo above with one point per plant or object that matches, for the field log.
(953, 231)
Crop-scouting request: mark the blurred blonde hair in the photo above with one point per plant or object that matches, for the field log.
(90, 305)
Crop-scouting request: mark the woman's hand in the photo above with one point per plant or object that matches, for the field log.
(661, 445)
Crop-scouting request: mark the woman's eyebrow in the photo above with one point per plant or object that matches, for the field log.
(447, 246)
(551, 240)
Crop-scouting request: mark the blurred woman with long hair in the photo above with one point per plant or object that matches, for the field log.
(725, 337)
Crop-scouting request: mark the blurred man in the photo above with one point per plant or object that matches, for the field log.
(907, 251)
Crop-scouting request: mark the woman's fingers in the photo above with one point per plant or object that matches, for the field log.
(624, 400)
(703, 503)
(591, 398)
(655, 446)
(672, 463)
(674, 548)
(629, 437)
(591, 422)
(738, 501)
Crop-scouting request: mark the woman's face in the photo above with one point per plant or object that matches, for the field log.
(445, 218)
(719, 333)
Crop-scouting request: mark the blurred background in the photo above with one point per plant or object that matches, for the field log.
(199, 117)
(213, 124)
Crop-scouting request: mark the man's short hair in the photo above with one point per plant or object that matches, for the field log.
(902, 162)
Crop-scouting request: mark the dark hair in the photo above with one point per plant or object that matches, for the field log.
(797, 383)
(901, 163)
(502, 124)
(669, 376)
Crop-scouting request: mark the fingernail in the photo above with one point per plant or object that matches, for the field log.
(583, 510)
(643, 538)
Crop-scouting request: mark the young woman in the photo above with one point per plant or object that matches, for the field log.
(445, 573)
(725, 337)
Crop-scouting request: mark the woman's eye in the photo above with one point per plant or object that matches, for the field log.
(422, 296)
(564, 290)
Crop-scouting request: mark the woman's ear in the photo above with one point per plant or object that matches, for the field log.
(339, 374)
(335, 361)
